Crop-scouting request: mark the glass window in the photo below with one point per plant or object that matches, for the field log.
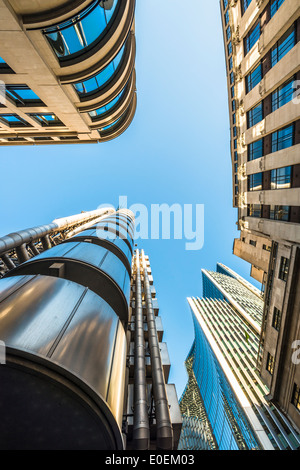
(270, 363)
(296, 397)
(230, 63)
(228, 33)
(13, 120)
(284, 268)
(283, 46)
(46, 119)
(22, 95)
(275, 5)
(276, 318)
(254, 210)
(100, 111)
(281, 178)
(79, 32)
(283, 94)
(252, 38)
(283, 138)
(225, 4)
(253, 78)
(229, 48)
(255, 182)
(280, 213)
(245, 4)
(255, 150)
(102, 78)
(226, 18)
(255, 115)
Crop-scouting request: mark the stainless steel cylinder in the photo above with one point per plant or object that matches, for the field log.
(62, 386)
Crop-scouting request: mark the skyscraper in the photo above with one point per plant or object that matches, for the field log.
(227, 322)
(262, 54)
(67, 70)
(85, 366)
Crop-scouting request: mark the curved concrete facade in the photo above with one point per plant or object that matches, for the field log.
(83, 54)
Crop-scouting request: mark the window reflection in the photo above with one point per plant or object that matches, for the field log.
(102, 78)
(83, 29)
(96, 113)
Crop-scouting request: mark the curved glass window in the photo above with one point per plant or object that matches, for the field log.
(99, 111)
(99, 80)
(82, 30)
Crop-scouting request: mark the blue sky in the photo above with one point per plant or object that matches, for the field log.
(176, 151)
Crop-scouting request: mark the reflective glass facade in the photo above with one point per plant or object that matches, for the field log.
(81, 31)
(228, 421)
(101, 79)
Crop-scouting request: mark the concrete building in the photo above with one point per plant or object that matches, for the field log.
(85, 365)
(232, 399)
(262, 53)
(67, 70)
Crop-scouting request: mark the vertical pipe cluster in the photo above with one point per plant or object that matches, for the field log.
(141, 429)
(164, 430)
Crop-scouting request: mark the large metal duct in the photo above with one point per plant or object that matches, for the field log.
(63, 319)
(141, 428)
(164, 430)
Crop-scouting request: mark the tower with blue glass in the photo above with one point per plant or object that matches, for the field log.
(229, 398)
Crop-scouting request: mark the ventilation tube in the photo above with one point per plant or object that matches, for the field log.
(164, 430)
(141, 429)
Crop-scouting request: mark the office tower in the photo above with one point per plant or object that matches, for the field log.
(67, 70)
(85, 366)
(262, 54)
(227, 321)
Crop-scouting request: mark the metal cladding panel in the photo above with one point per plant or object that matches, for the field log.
(32, 317)
(91, 254)
(61, 333)
(101, 234)
(87, 264)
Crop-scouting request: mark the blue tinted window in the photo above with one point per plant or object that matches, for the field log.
(283, 46)
(102, 78)
(21, 94)
(283, 94)
(283, 138)
(255, 182)
(252, 38)
(225, 4)
(275, 5)
(245, 4)
(2, 61)
(226, 17)
(280, 213)
(46, 119)
(228, 33)
(254, 210)
(255, 150)
(12, 119)
(229, 48)
(100, 111)
(255, 115)
(82, 30)
(253, 78)
(281, 178)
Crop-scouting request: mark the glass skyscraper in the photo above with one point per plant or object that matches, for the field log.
(234, 400)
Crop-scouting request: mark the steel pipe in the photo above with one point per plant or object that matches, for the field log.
(164, 429)
(141, 428)
(13, 240)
